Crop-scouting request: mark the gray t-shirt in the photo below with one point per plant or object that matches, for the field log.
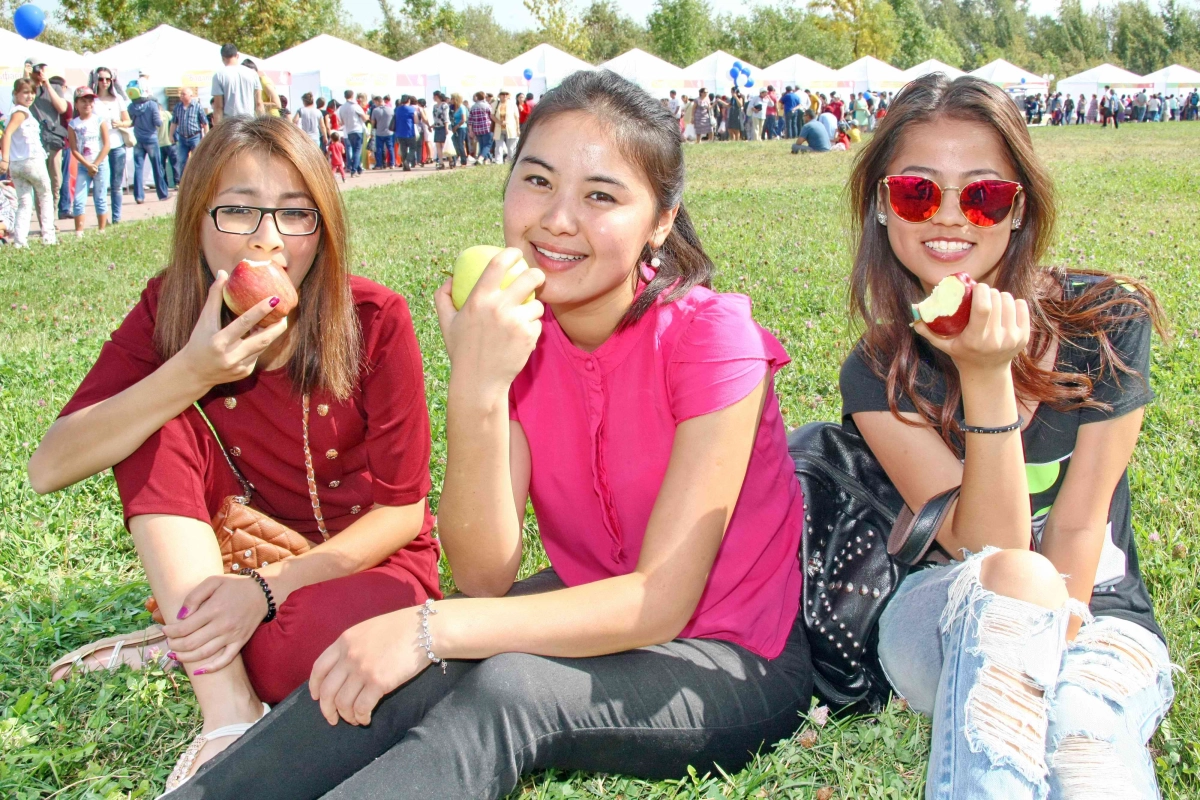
(237, 84)
(310, 122)
(381, 120)
(350, 114)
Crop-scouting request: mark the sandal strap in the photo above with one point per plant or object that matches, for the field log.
(183, 767)
(115, 657)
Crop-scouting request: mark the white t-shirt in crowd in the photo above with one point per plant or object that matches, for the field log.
(673, 105)
(87, 135)
(27, 138)
(237, 84)
(351, 115)
(830, 123)
(110, 111)
(310, 122)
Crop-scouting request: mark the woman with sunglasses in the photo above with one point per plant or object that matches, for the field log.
(1034, 648)
(112, 106)
(320, 417)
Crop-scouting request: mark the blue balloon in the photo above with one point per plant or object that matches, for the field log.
(737, 65)
(734, 73)
(749, 83)
(29, 21)
(746, 71)
(528, 74)
(1022, 80)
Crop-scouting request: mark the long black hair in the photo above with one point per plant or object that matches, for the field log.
(648, 134)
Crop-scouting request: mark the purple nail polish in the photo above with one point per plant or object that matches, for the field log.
(172, 656)
(274, 302)
(200, 672)
(183, 612)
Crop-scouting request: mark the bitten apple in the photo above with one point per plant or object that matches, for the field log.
(947, 310)
(470, 265)
(251, 282)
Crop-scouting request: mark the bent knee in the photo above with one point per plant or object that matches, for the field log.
(1024, 575)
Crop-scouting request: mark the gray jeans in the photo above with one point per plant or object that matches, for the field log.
(473, 732)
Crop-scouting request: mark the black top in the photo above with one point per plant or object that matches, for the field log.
(1049, 441)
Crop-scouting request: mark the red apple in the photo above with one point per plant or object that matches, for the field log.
(251, 282)
(947, 310)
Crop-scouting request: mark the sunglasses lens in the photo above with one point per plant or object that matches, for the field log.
(913, 199)
(984, 203)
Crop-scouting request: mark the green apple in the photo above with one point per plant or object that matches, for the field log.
(470, 265)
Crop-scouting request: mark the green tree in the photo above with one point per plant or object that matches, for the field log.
(769, 34)
(918, 40)
(869, 25)
(681, 31)
(1140, 38)
(610, 33)
(557, 25)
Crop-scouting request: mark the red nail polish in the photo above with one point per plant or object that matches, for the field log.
(183, 612)
(274, 302)
(200, 672)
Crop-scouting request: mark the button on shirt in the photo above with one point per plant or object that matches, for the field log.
(601, 426)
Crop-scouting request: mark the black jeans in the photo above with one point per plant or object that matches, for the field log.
(473, 732)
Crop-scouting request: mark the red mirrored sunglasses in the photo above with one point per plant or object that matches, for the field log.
(984, 203)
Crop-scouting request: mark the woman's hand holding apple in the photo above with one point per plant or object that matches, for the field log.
(997, 333)
(491, 337)
(216, 355)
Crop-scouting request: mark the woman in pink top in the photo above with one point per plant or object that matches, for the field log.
(636, 409)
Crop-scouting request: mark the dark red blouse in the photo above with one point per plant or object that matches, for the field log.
(372, 448)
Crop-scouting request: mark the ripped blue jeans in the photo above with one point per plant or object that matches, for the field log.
(1017, 711)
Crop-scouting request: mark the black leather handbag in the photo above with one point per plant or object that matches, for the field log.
(853, 517)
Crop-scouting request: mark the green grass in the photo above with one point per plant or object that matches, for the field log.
(1130, 202)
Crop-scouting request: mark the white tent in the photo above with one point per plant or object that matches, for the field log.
(15, 49)
(804, 73)
(1092, 81)
(1012, 78)
(931, 66)
(712, 72)
(1174, 79)
(869, 74)
(656, 76)
(548, 64)
(339, 65)
(457, 71)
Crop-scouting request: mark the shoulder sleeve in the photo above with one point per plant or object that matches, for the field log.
(720, 357)
(1121, 391)
(126, 358)
(218, 85)
(862, 389)
(393, 388)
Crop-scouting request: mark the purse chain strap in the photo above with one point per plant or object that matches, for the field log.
(248, 488)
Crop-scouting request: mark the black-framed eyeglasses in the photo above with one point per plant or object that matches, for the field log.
(244, 220)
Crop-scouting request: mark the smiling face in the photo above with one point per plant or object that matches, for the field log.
(581, 211)
(951, 153)
(257, 179)
(23, 96)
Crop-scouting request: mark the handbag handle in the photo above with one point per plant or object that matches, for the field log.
(247, 489)
(913, 534)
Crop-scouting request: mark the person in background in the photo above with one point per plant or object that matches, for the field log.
(771, 101)
(830, 122)
(311, 121)
(702, 116)
(381, 121)
(441, 124)
(405, 126)
(167, 152)
(236, 89)
(52, 112)
(23, 157)
(284, 113)
(337, 154)
(813, 138)
(88, 135)
(352, 123)
(524, 107)
(836, 108)
(458, 120)
(424, 131)
(8, 208)
(756, 110)
(147, 119)
(273, 104)
(735, 116)
(481, 122)
(1092, 109)
(112, 104)
(188, 126)
(508, 128)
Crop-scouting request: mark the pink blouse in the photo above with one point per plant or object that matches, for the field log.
(601, 426)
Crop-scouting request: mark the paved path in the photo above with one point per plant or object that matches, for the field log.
(153, 207)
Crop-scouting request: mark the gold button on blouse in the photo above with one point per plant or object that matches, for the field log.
(323, 410)
(235, 451)
(331, 454)
(231, 403)
(334, 484)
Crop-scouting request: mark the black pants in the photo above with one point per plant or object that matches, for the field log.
(473, 732)
(409, 154)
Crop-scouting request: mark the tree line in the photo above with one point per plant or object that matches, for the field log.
(963, 33)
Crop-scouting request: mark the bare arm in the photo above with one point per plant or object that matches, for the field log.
(218, 103)
(104, 145)
(57, 100)
(6, 142)
(259, 107)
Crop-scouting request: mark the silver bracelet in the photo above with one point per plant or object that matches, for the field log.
(424, 638)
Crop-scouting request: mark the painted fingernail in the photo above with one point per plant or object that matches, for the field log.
(172, 656)
(183, 612)
(200, 672)
(274, 302)
(916, 312)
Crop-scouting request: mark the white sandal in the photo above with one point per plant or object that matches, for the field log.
(183, 767)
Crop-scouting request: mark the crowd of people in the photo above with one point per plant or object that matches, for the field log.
(1108, 106)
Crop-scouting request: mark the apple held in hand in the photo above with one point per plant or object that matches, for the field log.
(947, 310)
(470, 265)
(251, 282)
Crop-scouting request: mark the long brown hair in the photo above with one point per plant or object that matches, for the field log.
(882, 289)
(648, 135)
(326, 330)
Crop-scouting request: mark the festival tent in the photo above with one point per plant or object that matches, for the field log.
(804, 73)
(656, 76)
(869, 74)
(1012, 78)
(931, 66)
(446, 67)
(548, 64)
(1093, 81)
(712, 73)
(15, 49)
(1172, 79)
(332, 65)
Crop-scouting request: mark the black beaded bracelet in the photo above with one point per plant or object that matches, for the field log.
(1002, 429)
(253, 573)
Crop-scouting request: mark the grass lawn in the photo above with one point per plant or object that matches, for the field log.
(1130, 202)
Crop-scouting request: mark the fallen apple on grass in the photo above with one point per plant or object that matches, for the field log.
(470, 265)
(251, 282)
(947, 310)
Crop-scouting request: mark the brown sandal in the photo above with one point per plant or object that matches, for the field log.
(145, 646)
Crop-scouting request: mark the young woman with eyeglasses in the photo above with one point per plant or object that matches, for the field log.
(1035, 650)
(322, 413)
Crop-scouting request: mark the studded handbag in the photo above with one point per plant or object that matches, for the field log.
(853, 517)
